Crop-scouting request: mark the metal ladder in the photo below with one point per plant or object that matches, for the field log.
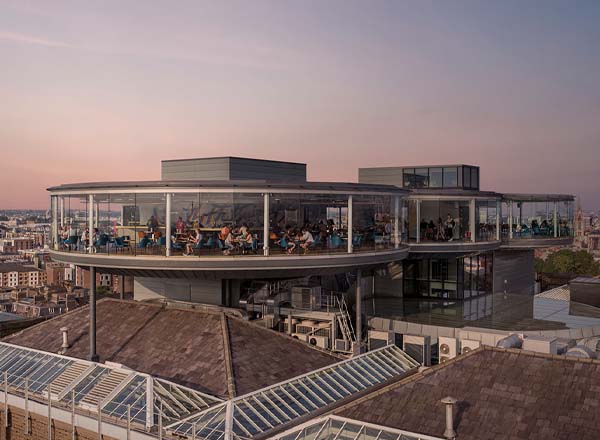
(344, 320)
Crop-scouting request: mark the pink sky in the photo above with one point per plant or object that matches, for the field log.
(106, 90)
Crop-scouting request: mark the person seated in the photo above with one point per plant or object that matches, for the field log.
(193, 242)
(306, 240)
(180, 226)
(229, 243)
(152, 224)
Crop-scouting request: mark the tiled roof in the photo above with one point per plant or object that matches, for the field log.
(16, 267)
(561, 293)
(187, 347)
(502, 394)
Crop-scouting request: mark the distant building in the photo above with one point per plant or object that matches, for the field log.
(17, 275)
(14, 245)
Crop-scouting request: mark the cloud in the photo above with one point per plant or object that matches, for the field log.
(33, 40)
(239, 59)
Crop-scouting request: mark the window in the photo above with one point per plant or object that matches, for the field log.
(408, 177)
(450, 177)
(421, 179)
(467, 177)
(436, 179)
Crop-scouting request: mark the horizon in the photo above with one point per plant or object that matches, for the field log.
(106, 90)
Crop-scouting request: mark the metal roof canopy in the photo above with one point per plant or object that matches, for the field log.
(113, 390)
(259, 412)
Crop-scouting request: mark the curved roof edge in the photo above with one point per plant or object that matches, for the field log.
(229, 184)
(538, 197)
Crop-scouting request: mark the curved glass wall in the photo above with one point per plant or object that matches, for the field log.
(486, 215)
(538, 219)
(225, 223)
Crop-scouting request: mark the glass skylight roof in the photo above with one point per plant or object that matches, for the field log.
(258, 412)
(91, 385)
(334, 427)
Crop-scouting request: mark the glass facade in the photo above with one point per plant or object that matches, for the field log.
(439, 220)
(449, 278)
(216, 223)
(486, 214)
(460, 176)
(537, 219)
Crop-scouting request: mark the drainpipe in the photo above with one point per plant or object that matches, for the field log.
(449, 433)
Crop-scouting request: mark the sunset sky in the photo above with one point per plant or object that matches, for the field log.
(104, 90)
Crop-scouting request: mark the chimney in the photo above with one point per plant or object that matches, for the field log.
(449, 433)
(65, 340)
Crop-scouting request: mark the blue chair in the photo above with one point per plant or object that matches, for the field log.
(119, 243)
(211, 242)
(356, 240)
(143, 243)
(283, 244)
(335, 241)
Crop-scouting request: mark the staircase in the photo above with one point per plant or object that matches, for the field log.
(64, 380)
(104, 387)
(344, 320)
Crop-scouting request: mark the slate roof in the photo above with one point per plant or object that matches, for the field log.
(204, 350)
(502, 394)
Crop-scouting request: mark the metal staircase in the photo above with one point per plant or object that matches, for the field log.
(344, 320)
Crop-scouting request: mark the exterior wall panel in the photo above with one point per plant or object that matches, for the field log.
(517, 268)
(198, 291)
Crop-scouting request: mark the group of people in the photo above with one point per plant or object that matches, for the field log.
(72, 239)
(440, 230)
(230, 238)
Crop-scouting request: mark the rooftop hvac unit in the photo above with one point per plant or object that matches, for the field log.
(307, 298)
(418, 348)
(319, 341)
(379, 339)
(342, 345)
(448, 348)
(540, 344)
(303, 329)
(467, 345)
(581, 351)
(300, 336)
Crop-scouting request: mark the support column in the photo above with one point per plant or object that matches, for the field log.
(510, 219)
(418, 221)
(350, 223)
(266, 225)
(90, 222)
(358, 308)
(122, 281)
(168, 226)
(555, 220)
(54, 232)
(61, 201)
(93, 356)
(472, 224)
(498, 218)
(396, 222)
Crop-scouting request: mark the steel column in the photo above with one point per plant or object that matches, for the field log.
(472, 214)
(266, 225)
(168, 226)
(396, 222)
(358, 308)
(90, 222)
(555, 221)
(498, 217)
(350, 223)
(418, 221)
(93, 356)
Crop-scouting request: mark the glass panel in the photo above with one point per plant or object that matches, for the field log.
(436, 178)
(450, 177)
(444, 220)
(408, 177)
(475, 178)
(421, 178)
(466, 177)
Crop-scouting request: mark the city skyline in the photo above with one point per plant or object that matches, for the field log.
(97, 93)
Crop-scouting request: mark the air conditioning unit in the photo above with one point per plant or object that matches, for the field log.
(540, 344)
(418, 348)
(319, 341)
(300, 336)
(467, 345)
(448, 348)
(269, 321)
(304, 329)
(342, 345)
(307, 298)
(379, 338)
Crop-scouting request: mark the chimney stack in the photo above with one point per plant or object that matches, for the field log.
(449, 433)
(65, 340)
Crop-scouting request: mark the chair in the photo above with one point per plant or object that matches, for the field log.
(335, 241)
(211, 242)
(119, 243)
(356, 240)
(283, 244)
